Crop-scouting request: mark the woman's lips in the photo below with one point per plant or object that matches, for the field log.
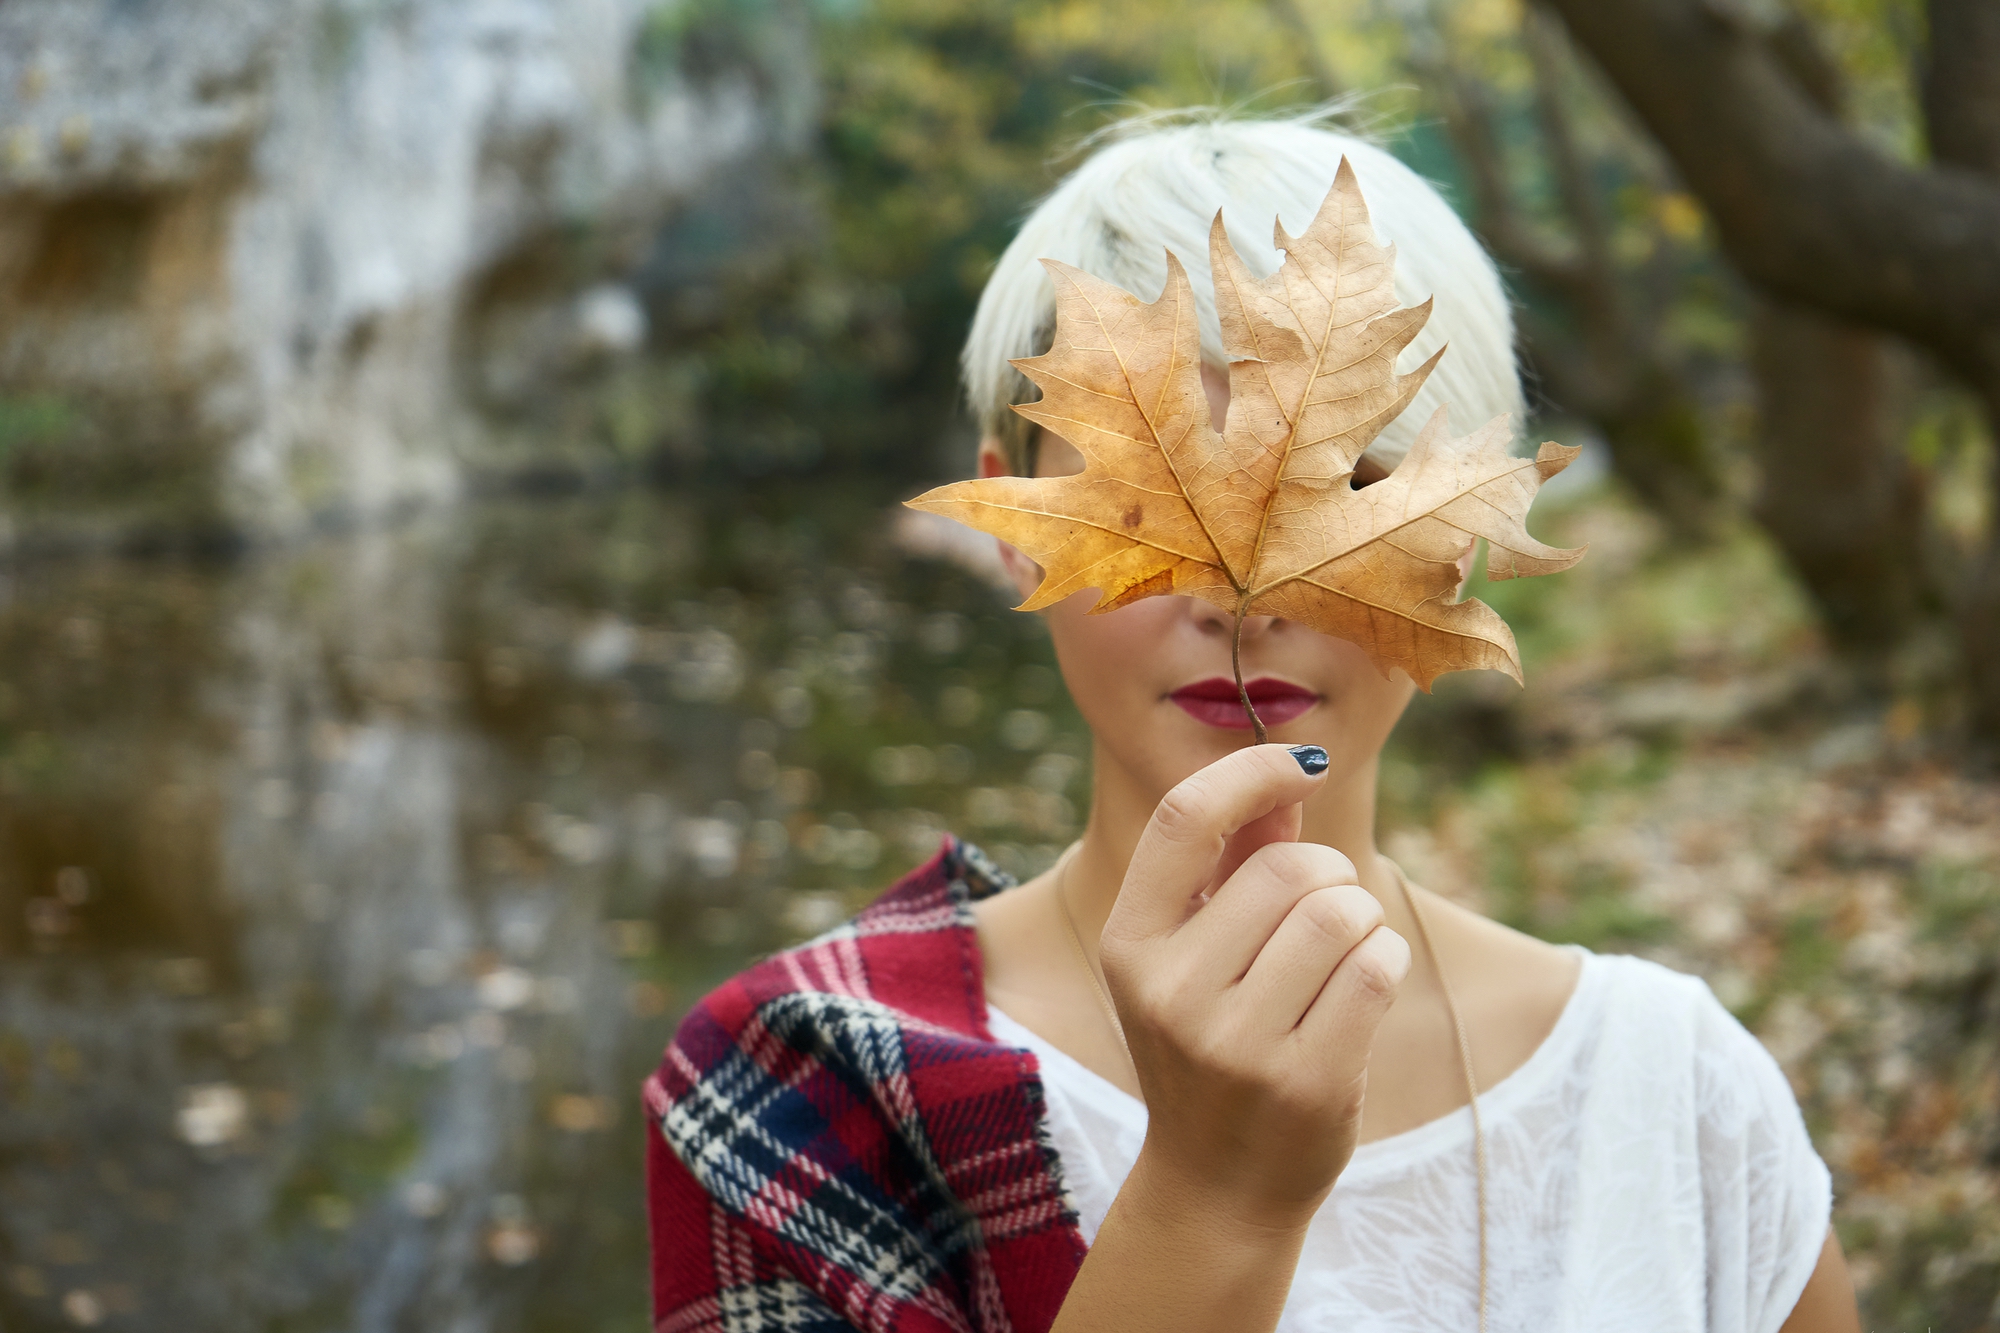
(1215, 702)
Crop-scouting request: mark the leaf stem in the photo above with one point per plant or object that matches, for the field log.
(1236, 665)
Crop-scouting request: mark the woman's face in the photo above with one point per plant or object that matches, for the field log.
(1153, 678)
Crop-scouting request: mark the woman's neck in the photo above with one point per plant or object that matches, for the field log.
(1341, 815)
(1510, 988)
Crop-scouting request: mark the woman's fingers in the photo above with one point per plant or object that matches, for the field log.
(1309, 943)
(1281, 825)
(1340, 1026)
(1182, 845)
(1222, 943)
(1250, 1021)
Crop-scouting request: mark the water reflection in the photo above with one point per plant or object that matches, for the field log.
(348, 890)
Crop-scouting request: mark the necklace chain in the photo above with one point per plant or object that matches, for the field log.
(1076, 942)
(1471, 1078)
(1450, 1007)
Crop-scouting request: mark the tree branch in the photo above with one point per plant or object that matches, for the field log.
(1541, 36)
(1607, 366)
(1961, 86)
(1801, 205)
(1840, 500)
(1797, 47)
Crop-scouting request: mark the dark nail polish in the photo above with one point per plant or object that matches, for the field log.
(1311, 758)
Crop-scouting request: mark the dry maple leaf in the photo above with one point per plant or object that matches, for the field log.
(1262, 518)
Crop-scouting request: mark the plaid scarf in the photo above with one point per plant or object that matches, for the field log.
(842, 1145)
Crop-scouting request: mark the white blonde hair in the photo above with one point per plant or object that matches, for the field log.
(1156, 186)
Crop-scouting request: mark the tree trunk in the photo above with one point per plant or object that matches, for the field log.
(1605, 362)
(1816, 214)
(1658, 442)
(1840, 500)
(1961, 84)
(1961, 90)
(1979, 597)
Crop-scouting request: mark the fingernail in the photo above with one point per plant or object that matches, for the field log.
(1311, 758)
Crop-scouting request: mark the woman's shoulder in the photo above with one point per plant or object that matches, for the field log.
(799, 1099)
(874, 1008)
(908, 958)
(1723, 1122)
(1667, 1025)
(1640, 992)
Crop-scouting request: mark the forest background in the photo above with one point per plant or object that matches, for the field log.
(362, 841)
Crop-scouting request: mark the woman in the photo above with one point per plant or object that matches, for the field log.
(1209, 1071)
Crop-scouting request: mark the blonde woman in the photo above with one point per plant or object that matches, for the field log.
(1213, 1070)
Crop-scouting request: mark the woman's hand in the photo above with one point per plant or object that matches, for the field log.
(1250, 1015)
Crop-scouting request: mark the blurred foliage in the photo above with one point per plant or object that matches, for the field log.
(941, 124)
(695, 725)
(55, 448)
(1878, 45)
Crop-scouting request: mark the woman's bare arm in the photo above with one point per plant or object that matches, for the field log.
(1167, 1258)
(1827, 1303)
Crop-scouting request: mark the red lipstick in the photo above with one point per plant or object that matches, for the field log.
(1215, 701)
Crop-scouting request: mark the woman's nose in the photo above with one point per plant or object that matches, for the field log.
(1214, 620)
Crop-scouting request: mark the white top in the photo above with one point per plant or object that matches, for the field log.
(1648, 1171)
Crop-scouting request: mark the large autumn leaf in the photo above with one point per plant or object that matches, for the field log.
(1262, 518)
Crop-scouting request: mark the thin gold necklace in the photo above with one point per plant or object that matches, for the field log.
(1076, 942)
(1450, 1007)
(1471, 1078)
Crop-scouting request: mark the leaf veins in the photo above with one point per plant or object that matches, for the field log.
(1262, 518)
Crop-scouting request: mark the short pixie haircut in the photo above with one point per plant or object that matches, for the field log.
(1155, 185)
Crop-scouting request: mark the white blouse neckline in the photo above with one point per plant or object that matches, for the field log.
(1397, 1152)
(1648, 1169)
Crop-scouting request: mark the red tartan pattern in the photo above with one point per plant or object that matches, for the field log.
(842, 1145)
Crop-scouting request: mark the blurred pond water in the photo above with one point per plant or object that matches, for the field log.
(348, 891)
